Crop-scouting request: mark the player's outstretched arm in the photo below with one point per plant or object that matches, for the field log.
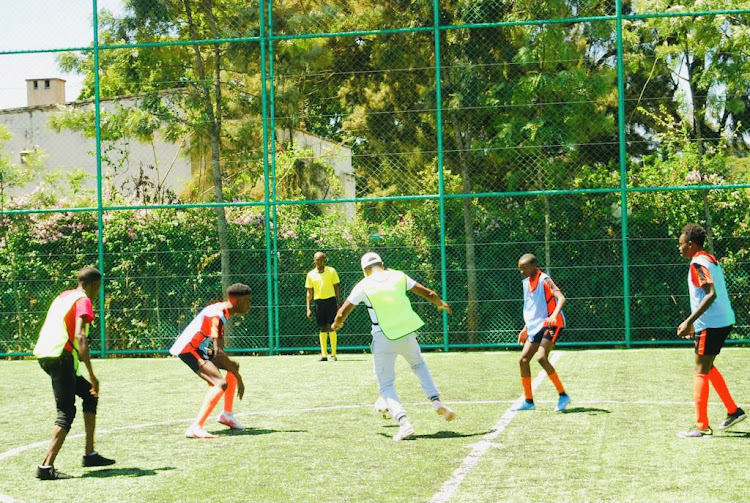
(431, 296)
(342, 314)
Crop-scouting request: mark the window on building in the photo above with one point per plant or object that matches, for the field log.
(46, 84)
(36, 84)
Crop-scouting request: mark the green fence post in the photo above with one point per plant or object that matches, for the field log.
(272, 107)
(99, 205)
(441, 185)
(267, 206)
(623, 172)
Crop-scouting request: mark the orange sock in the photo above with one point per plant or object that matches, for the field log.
(717, 380)
(212, 398)
(700, 396)
(556, 381)
(230, 391)
(526, 383)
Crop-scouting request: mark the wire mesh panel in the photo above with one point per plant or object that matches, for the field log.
(41, 255)
(164, 266)
(659, 273)
(573, 237)
(528, 107)
(331, 16)
(362, 110)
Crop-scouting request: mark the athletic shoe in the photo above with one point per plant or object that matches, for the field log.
(733, 419)
(49, 473)
(697, 433)
(96, 459)
(195, 431)
(332, 358)
(562, 402)
(227, 419)
(526, 406)
(406, 430)
(323, 358)
(447, 413)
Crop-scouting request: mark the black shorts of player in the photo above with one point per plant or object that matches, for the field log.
(710, 340)
(66, 384)
(325, 311)
(549, 333)
(195, 358)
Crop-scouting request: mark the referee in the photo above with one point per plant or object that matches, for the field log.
(322, 285)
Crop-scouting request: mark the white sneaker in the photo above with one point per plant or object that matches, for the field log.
(195, 431)
(406, 430)
(227, 419)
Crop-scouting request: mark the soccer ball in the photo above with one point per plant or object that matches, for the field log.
(382, 407)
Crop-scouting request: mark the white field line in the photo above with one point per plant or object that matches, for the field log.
(486, 443)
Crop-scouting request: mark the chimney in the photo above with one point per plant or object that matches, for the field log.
(42, 92)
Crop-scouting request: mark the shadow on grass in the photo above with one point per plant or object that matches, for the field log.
(734, 434)
(441, 434)
(125, 472)
(253, 431)
(592, 411)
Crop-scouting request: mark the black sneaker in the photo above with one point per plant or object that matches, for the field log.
(733, 419)
(323, 359)
(96, 459)
(49, 473)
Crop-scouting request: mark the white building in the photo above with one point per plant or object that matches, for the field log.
(166, 163)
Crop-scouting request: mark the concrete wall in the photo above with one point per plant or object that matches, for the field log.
(164, 162)
(68, 150)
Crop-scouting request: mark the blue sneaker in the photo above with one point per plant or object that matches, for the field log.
(562, 402)
(526, 406)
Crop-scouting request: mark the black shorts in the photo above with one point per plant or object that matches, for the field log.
(66, 384)
(325, 311)
(549, 333)
(195, 358)
(710, 340)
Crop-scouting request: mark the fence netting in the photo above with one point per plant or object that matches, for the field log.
(209, 142)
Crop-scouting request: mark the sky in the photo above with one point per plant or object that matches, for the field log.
(42, 24)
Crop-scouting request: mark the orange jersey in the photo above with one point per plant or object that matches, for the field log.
(203, 330)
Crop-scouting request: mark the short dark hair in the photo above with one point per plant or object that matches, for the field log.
(695, 233)
(88, 275)
(238, 290)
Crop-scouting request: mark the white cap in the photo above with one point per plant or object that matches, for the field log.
(370, 258)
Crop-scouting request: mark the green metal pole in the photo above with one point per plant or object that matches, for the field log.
(99, 203)
(264, 109)
(272, 103)
(623, 172)
(441, 184)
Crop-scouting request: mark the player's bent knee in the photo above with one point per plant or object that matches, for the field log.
(90, 403)
(65, 417)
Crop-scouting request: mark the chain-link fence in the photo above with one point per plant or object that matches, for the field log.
(219, 141)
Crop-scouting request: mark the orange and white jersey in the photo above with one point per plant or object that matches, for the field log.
(539, 302)
(704, 270)
(203, 330)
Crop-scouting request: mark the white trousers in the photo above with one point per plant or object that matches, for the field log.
(384, 353)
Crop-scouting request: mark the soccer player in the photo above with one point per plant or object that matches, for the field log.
(710, 322)
(192, 346)
(61, 345)
(394, 326)
(322, 285)
(542, 312)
